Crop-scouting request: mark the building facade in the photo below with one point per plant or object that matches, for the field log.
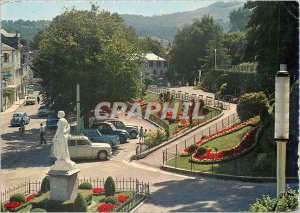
(154, 66)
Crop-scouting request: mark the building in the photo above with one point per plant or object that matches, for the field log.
(15, 69)
(154, 66)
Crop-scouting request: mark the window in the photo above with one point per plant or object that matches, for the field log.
(165, 64)
(154, 72)
(150, 63)
(71, 143)
(159, 63)
(82, 142)
(119, 124)
(6, 57)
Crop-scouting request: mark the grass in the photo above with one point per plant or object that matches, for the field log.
(242, 166)
(150, 97)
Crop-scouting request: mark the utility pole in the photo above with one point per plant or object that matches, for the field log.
(78, 108)
(282, 99)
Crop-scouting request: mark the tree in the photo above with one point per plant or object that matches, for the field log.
(252, 104)
(272, 39)
(91, 48)
(238, 19)
(234, 42)
(193, 48)
(152, 45)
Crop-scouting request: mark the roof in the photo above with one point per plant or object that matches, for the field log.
(6, 34)
(5, 47)
(153, 57)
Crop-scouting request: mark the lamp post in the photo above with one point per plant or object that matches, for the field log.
(199, 76)
(215, 58)
(142, 84)
(282, 98)
(78, 108)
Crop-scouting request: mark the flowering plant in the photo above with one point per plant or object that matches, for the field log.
(105, 207)
(30, 197)
(122, 198)
(12, 205)
(98, 190)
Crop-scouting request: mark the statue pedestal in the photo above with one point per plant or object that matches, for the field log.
(63, 184)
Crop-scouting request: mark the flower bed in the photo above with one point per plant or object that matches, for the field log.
(98, 191)
(210, 156)
(109, 207)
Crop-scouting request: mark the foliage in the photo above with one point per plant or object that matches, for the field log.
(286, 202)
(150, 45)
(85, 185)
(263, 162)
(201, 150)
(192, 148)
(17, 198)
(10, 94)
(111, 199)
(205, 111)
(251, 104)
(45, 184)
(273, 41)
(38, 210)
(155, 138)
(223, 89)
(80, 204)
(110, 187)
(91, 48)
(194, 46)
(2, 207)
(238, 19)
(234, 42)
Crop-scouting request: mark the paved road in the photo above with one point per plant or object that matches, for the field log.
(23, 159)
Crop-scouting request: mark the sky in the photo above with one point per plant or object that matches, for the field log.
(48, 9)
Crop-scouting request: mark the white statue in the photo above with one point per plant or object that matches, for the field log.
(60, 145)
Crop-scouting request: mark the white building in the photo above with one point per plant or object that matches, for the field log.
(154, 66)
(15, 69)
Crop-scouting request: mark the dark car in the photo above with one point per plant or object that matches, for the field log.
(131, 129)
(51, 122)
(106, 128)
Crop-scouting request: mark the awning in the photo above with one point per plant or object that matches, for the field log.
(7, 75)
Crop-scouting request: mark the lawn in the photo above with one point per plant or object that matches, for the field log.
(242, 166)
(150, 97)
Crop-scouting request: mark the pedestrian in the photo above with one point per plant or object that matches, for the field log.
(42, 133)
(141, 134)
(22, 125)
(145, 133)
(38, 99)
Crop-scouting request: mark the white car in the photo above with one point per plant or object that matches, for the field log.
(30, 100)
(80, 147)
(17, 118)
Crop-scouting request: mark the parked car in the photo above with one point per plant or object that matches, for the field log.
(51, 122)
(95, 136)
(43, 111)
(80, 147)
(30, 91)
(17, 117)
(131, 129)
(30, 100)
(106, 128)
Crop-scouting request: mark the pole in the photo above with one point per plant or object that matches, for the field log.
(282, 94)
(215, 58)
(142, 84)
(1, 92)
(199, 76)
(78, 108)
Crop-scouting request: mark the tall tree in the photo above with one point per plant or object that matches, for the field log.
(152, 45)
(272, 39)
(234, 42)
(91, 48)
(239, 19)
(193, 48)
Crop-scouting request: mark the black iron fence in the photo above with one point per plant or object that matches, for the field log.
(184, 96)
(140, 189)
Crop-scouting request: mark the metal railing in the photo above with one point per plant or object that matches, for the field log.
(184, 96)
(174, 151)
(133, 185)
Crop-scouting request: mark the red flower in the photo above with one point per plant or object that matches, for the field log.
(153, 107)
(122, 198)
(98, 190)
(12, 205)
(105, 207)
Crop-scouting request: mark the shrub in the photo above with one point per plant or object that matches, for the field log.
(80, 204)
(17, 198)
(112, 200)
(2, 207)
(45, 184)
(201, 150)
(251, 105)
(155, 138)
(205, 111)
(192, 148)
(263, 162)
(109, 187)
(85, 185)
(38, 210)
(265, 204)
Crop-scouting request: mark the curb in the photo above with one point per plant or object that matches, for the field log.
(140, 204)
(146, 153)
(226, 177)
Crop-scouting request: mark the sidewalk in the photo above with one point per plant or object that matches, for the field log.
(14, 107)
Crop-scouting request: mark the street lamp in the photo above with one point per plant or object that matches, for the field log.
(142, 84)
(215, 58)
(282, 98)
(199, 76)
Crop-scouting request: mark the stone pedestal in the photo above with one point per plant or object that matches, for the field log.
(63, 184)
